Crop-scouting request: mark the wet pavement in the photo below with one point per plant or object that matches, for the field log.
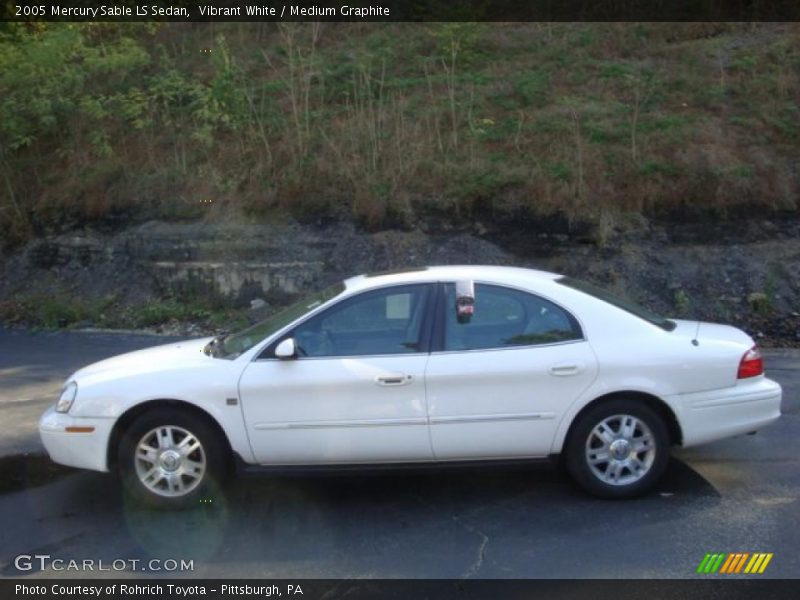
(736, 495)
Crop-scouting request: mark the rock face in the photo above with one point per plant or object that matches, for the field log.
(748, 277)
(235, 261)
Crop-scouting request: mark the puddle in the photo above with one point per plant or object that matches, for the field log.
(23, 471)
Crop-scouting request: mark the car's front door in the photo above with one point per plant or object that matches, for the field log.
(501, 379)
(355, 393)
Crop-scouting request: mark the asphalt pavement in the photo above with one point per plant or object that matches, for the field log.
(738, 495)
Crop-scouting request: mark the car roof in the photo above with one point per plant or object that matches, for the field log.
(487, 273)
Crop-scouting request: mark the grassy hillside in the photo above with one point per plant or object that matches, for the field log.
(385, 124)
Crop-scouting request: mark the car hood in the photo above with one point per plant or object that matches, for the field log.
(188, 353)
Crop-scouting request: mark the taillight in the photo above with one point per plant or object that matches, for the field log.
(752, 364)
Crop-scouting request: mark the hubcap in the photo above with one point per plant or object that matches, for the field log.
(170, 461)
(620, 450)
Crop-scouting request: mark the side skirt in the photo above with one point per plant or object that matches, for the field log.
(245, 469)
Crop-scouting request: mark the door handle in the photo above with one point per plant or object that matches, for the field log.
(565, 370)
(394, 379)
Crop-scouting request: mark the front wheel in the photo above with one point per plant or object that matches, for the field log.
(618, 449)
(171, 459)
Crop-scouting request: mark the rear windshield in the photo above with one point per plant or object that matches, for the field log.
(626, 305)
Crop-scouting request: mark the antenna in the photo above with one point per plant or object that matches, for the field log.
(695, 342)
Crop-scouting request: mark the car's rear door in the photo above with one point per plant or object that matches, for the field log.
(498, 383)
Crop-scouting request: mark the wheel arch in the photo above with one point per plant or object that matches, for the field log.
(126, 419)
(654, 402)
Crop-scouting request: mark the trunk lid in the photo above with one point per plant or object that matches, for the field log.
(712, 332)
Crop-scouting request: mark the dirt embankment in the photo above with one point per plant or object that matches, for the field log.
(746, 273)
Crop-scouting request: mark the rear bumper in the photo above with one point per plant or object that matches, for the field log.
(84, 447)
(717, 414)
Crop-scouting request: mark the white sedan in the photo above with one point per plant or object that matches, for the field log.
(428, 366)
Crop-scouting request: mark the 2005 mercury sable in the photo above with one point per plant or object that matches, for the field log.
(433, 365)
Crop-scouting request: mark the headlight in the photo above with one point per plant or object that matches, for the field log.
(67, 397)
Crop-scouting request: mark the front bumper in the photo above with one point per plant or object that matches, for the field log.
(76, 441)
(717, 414)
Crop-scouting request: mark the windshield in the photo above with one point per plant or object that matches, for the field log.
(236, 343)
(622, 303)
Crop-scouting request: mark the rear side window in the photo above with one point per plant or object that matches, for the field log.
(504, 317)
(624, 304)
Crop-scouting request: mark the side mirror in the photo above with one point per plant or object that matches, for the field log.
(286, 349)
(465, 301)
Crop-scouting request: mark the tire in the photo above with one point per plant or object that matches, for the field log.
(618, 449)
(187, 460)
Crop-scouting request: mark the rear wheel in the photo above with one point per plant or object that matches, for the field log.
(618, 449)
(171, 459)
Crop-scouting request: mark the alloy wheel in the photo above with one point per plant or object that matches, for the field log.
(170, 461)
(620, 450)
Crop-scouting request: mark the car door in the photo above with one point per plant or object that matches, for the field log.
(355, 393)
(499, 380)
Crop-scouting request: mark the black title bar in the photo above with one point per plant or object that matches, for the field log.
(356, 589)
(397, 10)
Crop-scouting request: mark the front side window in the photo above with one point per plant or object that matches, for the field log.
(503, 318)
(233, 345)
(387, 321)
